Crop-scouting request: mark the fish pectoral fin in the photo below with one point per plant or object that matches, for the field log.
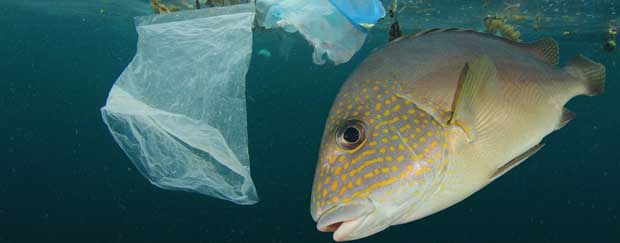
(516, 161)
(474, 96)
(546, 49)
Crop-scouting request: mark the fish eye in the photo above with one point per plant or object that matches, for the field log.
(351, 134)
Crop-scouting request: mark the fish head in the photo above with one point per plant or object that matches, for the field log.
(378, 155)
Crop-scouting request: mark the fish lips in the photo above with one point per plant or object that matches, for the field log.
(344, 219)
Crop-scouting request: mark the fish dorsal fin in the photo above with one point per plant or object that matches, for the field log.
(474, 96)
(546, 49)
(516, 161)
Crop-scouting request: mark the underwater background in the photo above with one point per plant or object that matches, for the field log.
(64, 179)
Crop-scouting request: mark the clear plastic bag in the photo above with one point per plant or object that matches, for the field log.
(178, 110)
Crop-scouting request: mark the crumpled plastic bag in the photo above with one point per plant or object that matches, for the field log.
(319, 22)
(363, 14)
(178, 110)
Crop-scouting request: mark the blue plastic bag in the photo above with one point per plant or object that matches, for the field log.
(363, 14)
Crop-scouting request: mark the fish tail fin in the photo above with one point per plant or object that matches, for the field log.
(591, 74)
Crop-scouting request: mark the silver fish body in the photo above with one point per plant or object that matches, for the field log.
(428, 120)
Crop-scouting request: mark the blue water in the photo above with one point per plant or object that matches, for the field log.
(63, 178)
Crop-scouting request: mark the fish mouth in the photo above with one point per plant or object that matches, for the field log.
(343, 220)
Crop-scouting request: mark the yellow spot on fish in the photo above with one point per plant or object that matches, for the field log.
(411, 111)
(342, 191)
(326, 180)
(337, 171)
(386, 112)
(334, 185)
(368, 175)
(385, 169)
(342, 158)
(358, 181)
(416, 121)
(361, 156)
(335, 199)
(382, 150)
(364, 165)
(396, 108)
(324, 192)
(400, 158)
(389, 158)
(374, 186)
(385, 140)
(343, 177)
(346, 165)
(378, 106)
(373, 143)
(350, 185)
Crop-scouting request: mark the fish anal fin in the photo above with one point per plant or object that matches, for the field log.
(516, 161)
(546, 49)
(474, 93)
(591, 74)
(566, 117)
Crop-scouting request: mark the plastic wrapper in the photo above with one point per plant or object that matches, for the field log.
(318, 21)
(363, 14)
(178, 110)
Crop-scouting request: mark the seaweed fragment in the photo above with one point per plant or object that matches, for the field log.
(497, 25)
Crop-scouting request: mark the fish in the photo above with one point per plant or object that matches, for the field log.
(427, 120)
